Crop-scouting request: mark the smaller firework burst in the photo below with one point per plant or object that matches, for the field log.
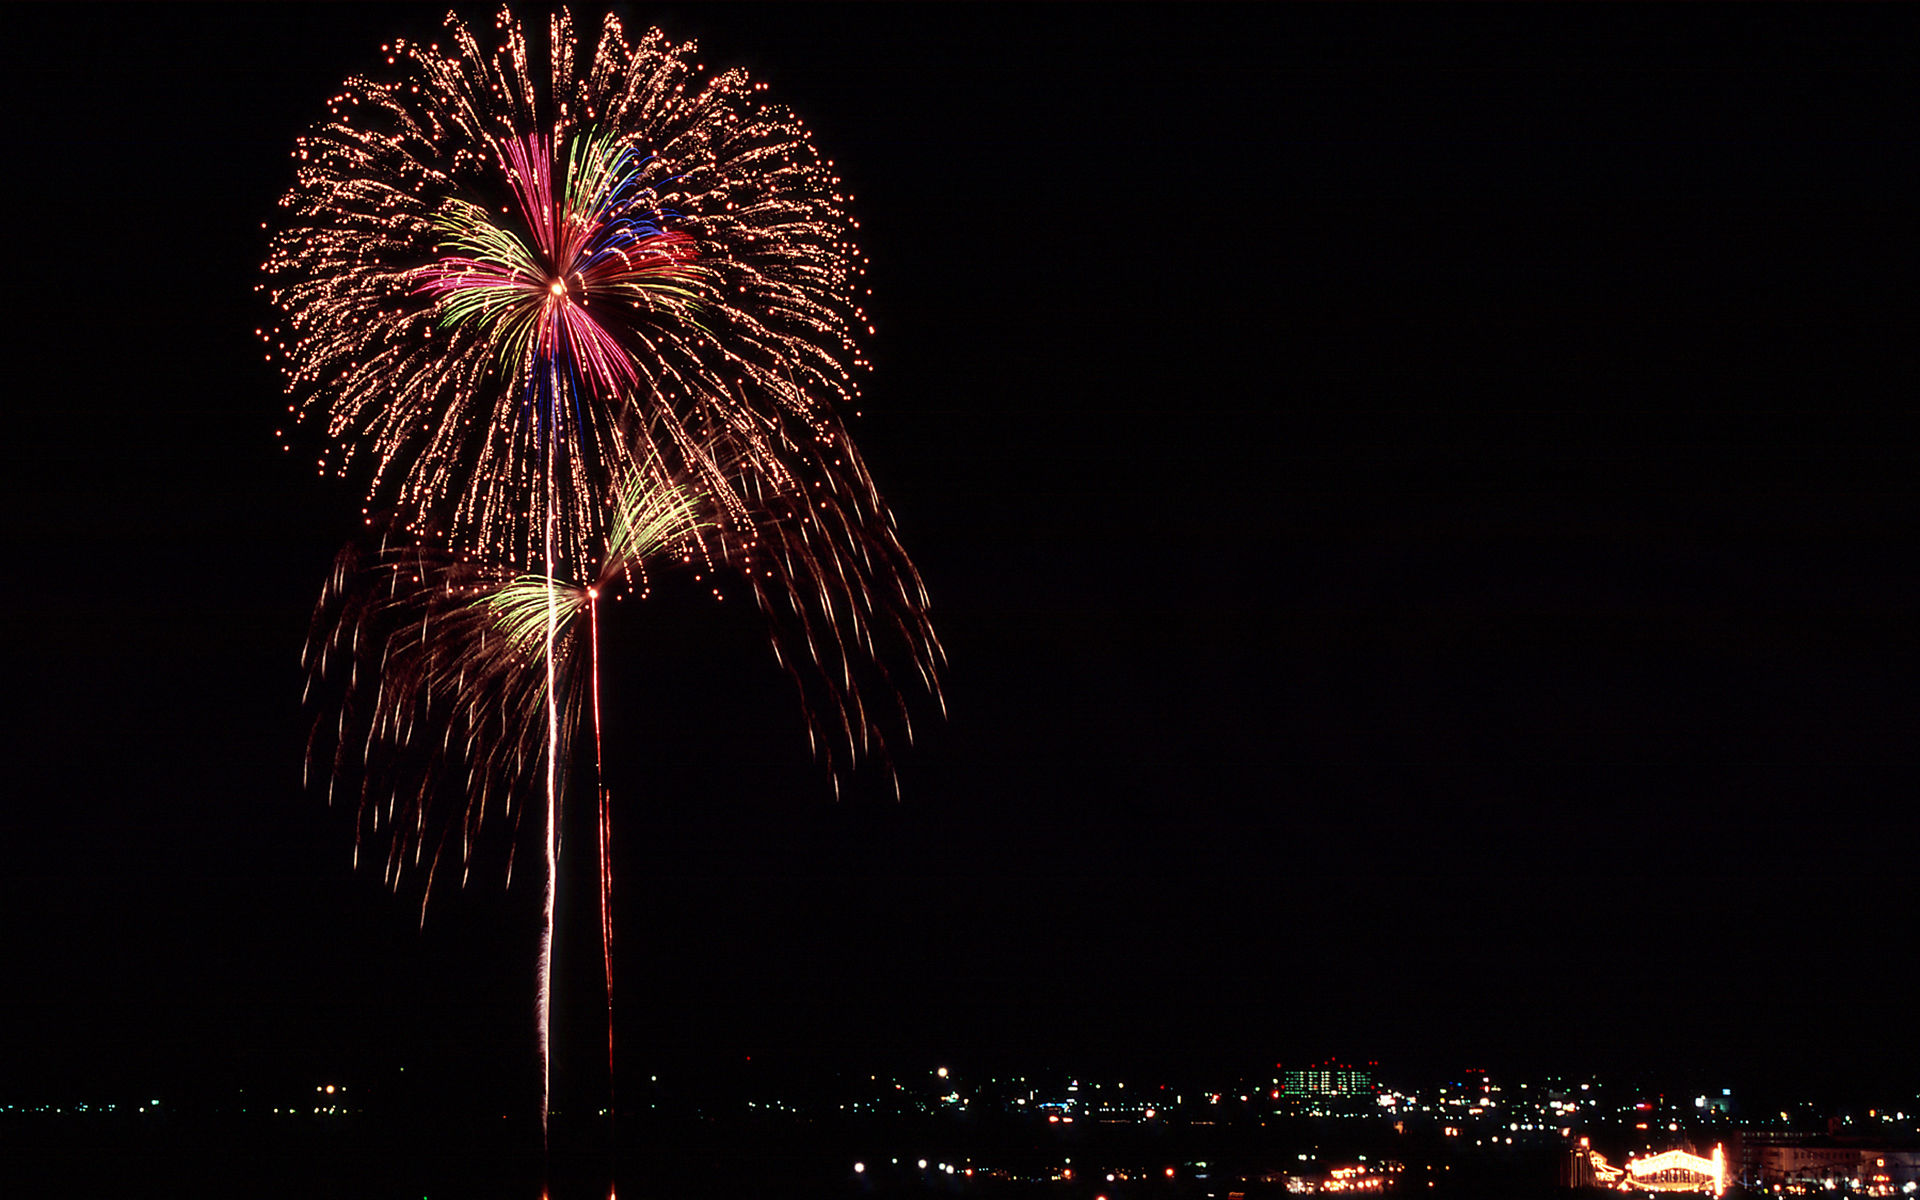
(439, 662)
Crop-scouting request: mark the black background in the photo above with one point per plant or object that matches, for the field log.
(1419, 503)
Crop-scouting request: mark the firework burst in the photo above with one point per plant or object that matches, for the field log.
(438, 665)
(548, 307)
(503, 293)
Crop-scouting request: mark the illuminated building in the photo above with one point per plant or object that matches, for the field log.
(1821, 1161)
(1327, 1079)
(1669, 1171)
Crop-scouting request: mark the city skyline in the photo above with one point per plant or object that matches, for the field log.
(1327, 1126)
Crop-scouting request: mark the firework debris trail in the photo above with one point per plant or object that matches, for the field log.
(508, 305)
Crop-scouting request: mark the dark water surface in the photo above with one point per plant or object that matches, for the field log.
(296, 1158)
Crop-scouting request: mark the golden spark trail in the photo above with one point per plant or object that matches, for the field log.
(545, 1005)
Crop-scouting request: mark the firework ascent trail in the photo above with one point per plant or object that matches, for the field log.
(596, 320)
(545, 1002)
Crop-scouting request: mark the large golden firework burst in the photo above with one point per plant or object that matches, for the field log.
(504, 286)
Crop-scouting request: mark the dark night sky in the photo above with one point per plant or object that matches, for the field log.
(1419, 502)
